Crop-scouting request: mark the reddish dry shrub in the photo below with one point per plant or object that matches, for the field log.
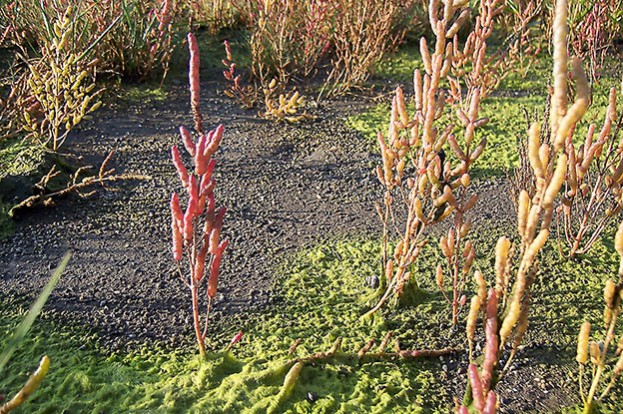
(592, 31)
(363, 32)
(288, 38)
(140, 42)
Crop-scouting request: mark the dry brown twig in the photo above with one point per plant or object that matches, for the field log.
(75, 185)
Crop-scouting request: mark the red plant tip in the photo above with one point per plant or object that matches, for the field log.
(235, 340)
(193, 73)
(216, 230)
(200, 264)
(222, 246)
(207, 184)
(211, 203)
(210, 168)
(188, 219)
(491, 346)
(188, 142)
(179, 165)
(215, 141)
(491, 403)
(215, 269)
(193, 78)
(214, 273)
(193, 190)
(200, 159)
(178, 242)
(228, 50)
(176, 210)
(477, 392)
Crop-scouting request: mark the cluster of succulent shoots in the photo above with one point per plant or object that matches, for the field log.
(471, 65)
(245, 95)
(593, 196)
(522, 48)
(459, 258)
(480, 394)
(60, 88)
(277, 106)
(416, 169)
(197, 230)
(604, 362)
(159, 38)
(282, 107)
(548, 162)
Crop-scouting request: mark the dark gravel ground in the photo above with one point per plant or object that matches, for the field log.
(285, 186)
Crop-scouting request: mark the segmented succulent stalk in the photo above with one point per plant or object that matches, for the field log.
(416, 170)
(582, 354)
(491, 346)
(31, 385)
(199, 242)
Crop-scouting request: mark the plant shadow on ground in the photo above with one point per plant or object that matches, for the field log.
(321, 292)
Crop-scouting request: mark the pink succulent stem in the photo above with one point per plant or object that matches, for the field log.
(187, 140)
(477, 391)
(179, 165)
(491, 403)
(234, 340)
(492, 342)
(193, 77)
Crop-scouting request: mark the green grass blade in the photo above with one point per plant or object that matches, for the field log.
(34, 311)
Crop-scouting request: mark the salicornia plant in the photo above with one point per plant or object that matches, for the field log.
(592, 196)
(512, 294)
(60, 86)
(606, 364)
(416, 170)
(197, 230)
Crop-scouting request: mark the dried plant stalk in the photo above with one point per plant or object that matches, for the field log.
(605, 363)
(593, 195)
(548, 162)
(77, 184)
(197, 231)
(416, 172)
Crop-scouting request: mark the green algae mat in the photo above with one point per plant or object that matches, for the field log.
(322, 297)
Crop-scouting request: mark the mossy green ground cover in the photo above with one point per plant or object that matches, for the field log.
(321, 291)
(16, 158)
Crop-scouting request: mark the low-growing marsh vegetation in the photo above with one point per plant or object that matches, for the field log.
(498, 188)
(320, 292)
